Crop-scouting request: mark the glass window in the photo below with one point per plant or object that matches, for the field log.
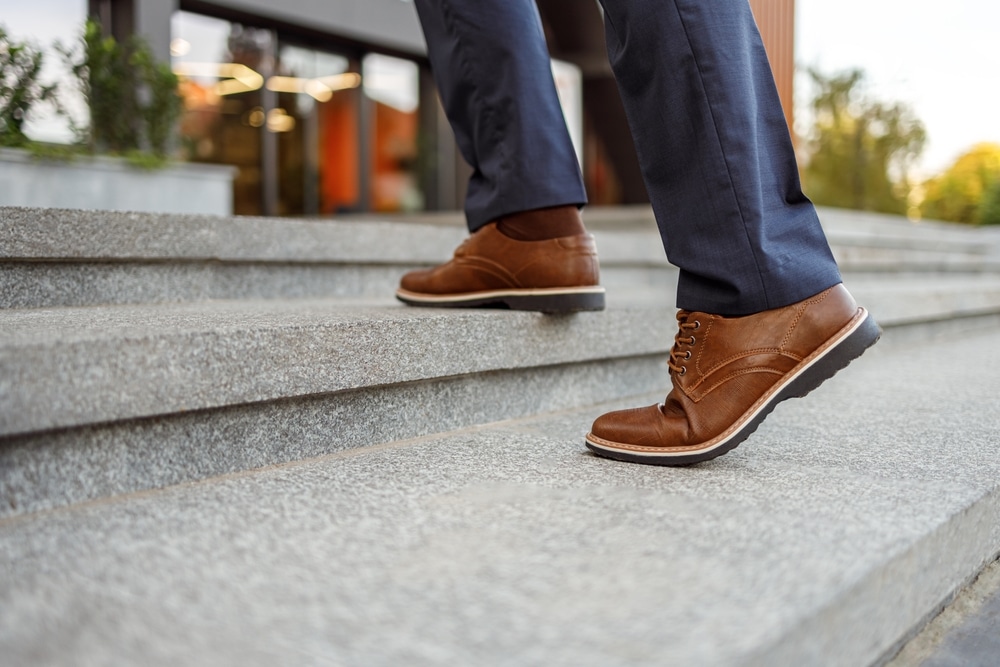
(393, 85)
(220, 65)
(316, 118)
(312, 132)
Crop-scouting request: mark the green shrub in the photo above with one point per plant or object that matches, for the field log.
(960, 193)
(132, 98)
(989, 206)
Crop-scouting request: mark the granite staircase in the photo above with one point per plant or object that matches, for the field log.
(222, 441)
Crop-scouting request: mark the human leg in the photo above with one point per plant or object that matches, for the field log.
(529, 249)
(491, 67)
(716, 155)
(763, 315)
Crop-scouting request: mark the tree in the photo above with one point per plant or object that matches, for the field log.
(969, 190)
(860, 150)
(989, 207)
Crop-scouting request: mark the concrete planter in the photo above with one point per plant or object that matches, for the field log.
(112, 184)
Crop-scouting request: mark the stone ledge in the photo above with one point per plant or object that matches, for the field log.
(70, 367)
(898, 303)
(41, 471)
(97, 182)
(69, 234)
(845, 520)
(626, 235)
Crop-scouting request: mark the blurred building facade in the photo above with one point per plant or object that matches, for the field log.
(327, 106)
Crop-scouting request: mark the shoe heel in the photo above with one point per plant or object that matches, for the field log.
(836, 359)
(556, 304)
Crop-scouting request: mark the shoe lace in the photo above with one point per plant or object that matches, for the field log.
(684, 340)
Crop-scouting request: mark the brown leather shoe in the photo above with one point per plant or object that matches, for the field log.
(490, 269)
(728, 373)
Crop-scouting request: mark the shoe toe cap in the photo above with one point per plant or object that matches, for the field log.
(637, 426)
(417, 281)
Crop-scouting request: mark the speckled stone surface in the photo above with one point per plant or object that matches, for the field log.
(163, 395)
(843, 522)
(68, 367)
(39, 284)
(628, 235)
(59, 257)
(32, 233)
(54, 469)
(64, 367)
(911, 299)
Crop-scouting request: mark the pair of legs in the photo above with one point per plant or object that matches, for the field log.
(720, 170)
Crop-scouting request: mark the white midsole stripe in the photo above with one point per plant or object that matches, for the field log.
(447, 298)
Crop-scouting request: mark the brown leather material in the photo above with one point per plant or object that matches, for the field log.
(488, 261)
(725, 370)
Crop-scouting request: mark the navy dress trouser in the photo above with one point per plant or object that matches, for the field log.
(709, 131)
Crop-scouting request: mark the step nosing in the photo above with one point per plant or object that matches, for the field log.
(115, 374)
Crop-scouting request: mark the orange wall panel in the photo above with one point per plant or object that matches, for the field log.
(776, 21)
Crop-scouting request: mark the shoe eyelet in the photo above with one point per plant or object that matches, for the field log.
(684, 370)
(691, 341)
(687, 355)
(697, 325)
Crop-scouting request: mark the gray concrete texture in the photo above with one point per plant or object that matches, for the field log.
(105, 183)
(54, 257)
(60, 468)
(911, 300)
(975, 643)
(67, 284)
(75, 366)
(627, 235)
(841, 525)
(965, 634)
(163, 396)
(72, 367)
(40, 233)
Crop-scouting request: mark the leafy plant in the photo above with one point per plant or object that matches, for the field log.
(163, 104)
(966, 191)
(20, 89)
(860, 150)
(989, 207)
(133, 99)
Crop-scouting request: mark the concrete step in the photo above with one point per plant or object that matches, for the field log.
(52, 257)
(828, 538)
(861, 241)
(106, 400)
(109, 396)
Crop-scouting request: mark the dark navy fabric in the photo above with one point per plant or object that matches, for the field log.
(710, 134)
(491, 66)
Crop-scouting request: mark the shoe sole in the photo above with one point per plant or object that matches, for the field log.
(549, 300)
(847, 345)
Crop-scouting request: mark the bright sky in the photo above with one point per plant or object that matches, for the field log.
(941, 57)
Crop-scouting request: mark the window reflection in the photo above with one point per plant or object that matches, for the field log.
(312, 132)
(318, 144)
(393, 84)
(220, 65)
